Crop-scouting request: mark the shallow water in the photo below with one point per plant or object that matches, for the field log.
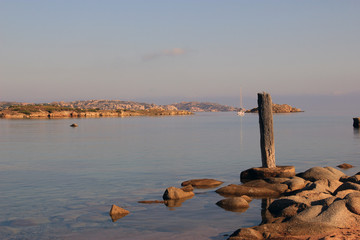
(58, 182)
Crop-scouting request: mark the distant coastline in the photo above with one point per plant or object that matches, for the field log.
(117, 108)
(49, 111)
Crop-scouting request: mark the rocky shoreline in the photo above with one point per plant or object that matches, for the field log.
(320, 203)
(77, 113)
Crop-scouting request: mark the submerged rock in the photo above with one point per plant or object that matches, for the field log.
(202, 183)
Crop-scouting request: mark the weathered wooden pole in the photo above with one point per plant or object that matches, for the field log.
(267, 143)
(356, 122)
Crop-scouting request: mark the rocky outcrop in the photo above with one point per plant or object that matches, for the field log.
(320, 205)
(279, 108)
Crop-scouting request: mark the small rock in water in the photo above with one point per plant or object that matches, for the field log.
(173, 193)
(345, 166)
(117, 212)
(235, 204)
(151, 201)
(202, 183)
(73, 125)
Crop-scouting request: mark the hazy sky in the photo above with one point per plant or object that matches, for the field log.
(177, 50)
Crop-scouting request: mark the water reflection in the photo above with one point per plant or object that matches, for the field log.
(265, 213)
(356, 132)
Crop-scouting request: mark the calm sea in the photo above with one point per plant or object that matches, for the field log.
(58, 182)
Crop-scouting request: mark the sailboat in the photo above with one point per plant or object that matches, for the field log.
(241, 112)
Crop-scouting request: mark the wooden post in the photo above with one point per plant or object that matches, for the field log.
(356, 122)
(267, 143)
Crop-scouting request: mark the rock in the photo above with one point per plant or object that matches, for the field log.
(345, 166)
(74, 125)
(324, 185)
(151, 201)
(239, 190)
(262, 173)
(117, 212)
(234, 204)
(337, 215)
(346, 186)
(278, 187)
(247, 198)
(295, 183)
(246, 233)
(318, 173)
(173, 193)
(188, 188)
(284, 207)
(354, 179)
(353, 202)
(202, 183)
(356, 122)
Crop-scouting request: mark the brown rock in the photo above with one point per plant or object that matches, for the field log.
(151, 201)
(117, 212)
(239, 190)
(345, 166)
(262, 173)
(188, 188)
(295, 183)
(278, 187)
(202, 183)
(246, 233)
(353, 202)
(319, 173)
(173, 193)
(234, 204)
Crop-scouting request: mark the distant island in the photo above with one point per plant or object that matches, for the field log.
(279, 108)
(117, 108)
(35, 111)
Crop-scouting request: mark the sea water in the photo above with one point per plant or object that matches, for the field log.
(58, 182)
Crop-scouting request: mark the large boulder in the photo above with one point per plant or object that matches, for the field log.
(319, 173)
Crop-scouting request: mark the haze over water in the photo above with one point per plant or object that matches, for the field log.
(60, 182)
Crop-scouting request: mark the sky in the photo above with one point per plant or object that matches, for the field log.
(164, 51)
